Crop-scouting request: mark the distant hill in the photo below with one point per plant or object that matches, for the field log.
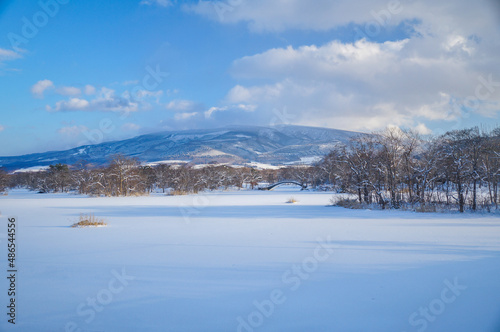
(277, 145)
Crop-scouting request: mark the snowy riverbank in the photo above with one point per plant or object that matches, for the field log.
(248, 261)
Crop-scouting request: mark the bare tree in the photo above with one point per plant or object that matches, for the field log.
(163, 175)
(455, 159)
(490, 165)
(124, 175)
(58, 177)
(4, 180)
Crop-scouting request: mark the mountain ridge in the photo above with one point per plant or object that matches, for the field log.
(282, 144)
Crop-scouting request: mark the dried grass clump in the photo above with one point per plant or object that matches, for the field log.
(178, 193)
(426, 209)
(348, 203)
(89, 220)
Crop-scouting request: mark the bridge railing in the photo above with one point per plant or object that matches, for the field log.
(279, 183)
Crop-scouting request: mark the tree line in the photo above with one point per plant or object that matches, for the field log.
(125, 176)
(391, 169)
(394, 168)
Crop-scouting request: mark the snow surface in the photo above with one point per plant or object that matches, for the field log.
(262, 165)
(166, 162)
(32, 169)
(80, 151)
(306, 161)
(193, 135)
(210, 153)
(208, 262)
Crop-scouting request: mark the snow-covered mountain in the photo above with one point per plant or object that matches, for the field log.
(238, 145)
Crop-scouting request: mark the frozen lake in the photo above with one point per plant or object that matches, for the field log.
(248, 261)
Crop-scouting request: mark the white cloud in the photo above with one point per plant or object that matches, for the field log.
(40, 87)
(430, 74)
(74, 104)
(89, 90)
(7, 55)
(72, 131)
(182, 105)
(141, 94)
(422, 129)
(279, 15)
(241, 94)
(161, 3)
(323, 15)
(458, 43)
(130, 127)
(366, 59)
(69, 91)
(2, 128)
(212, 110)
(240, 107)
(185, 116)
(366, 85)
(105, 101)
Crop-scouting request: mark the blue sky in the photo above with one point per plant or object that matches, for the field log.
(82, 72)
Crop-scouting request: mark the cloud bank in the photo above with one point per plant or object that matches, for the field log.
(443, 69)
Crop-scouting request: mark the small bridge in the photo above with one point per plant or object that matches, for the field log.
(274, 185)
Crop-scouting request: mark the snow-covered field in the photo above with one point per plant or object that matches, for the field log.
(247, 261)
